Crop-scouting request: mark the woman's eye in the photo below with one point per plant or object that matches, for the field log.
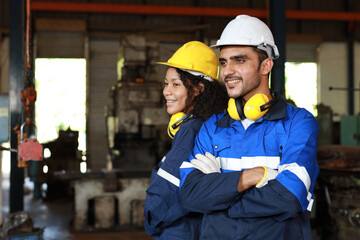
(177, 83)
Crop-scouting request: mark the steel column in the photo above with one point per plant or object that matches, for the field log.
(278, 28)
(16, 74)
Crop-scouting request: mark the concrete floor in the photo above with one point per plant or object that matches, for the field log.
(55, 217)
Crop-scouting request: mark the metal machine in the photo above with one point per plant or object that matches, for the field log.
(136, 130)
(337, 202)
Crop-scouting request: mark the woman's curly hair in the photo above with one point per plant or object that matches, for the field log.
(211, 100)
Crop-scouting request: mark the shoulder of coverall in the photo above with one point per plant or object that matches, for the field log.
(187, 129)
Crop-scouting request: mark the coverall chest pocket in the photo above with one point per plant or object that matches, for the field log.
(274, 143)
(221, 147)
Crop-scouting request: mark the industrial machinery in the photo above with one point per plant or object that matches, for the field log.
(52, 177)
(337, 204)
(138, 138)
(136, 130)
(337, 201)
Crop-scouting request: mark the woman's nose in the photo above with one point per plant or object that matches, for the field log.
(166, 91)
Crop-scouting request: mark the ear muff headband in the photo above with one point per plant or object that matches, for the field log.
(256, 107)
(175, 121)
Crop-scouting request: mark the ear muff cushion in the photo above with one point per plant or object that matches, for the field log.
(232, 109)
(175, 120)
(252, 108)
(170, 132)
(235, 109)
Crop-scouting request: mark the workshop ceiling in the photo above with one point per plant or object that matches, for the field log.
(314, 21)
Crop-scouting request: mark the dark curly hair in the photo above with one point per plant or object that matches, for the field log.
(212, 99)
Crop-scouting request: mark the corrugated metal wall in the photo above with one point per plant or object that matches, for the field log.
(4, 14)
(60, 44)
(4, 65)
(301, 52)
(102, 75)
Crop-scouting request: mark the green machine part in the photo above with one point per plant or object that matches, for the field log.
(350, 130)
(4, 118)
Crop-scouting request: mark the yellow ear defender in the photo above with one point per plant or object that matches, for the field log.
(175, 121)
(254, 108)
(235, 109)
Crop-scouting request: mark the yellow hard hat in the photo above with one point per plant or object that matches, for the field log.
(195, 56)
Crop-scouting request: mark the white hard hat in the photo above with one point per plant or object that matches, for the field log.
(249, 31)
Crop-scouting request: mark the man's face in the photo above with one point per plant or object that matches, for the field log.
(239, 69)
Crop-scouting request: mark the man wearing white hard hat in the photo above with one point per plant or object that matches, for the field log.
(253, 169)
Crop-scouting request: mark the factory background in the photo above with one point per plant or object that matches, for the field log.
(101, 119)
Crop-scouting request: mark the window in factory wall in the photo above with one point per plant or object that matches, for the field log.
(61, 98)
(301, 85)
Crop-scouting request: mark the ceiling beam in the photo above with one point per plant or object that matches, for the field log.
(187, 10)
(142, 9)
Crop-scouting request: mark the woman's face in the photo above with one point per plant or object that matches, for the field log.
(175, 92)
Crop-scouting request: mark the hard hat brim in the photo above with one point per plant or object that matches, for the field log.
(186, 69)
(274, 56)
(173, 65)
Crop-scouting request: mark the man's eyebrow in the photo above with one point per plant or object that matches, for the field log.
(239, 56)
(235, 57)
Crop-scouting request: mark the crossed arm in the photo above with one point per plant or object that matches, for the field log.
(234, 191)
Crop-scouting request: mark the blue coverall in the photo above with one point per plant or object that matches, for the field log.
(165, 218)
(284, 139)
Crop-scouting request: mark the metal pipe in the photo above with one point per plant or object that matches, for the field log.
(345, 89)
(187, 10)
(143, 9)
(27, 36)
(351, 73)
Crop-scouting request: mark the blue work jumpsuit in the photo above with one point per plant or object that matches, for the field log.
(165, 218)
(284, 139)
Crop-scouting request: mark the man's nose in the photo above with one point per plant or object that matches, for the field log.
(227, 70)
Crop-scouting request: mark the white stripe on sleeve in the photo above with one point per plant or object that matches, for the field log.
(300, 172)
(236, 164)
(167, 176)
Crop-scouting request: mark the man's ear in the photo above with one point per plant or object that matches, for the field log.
(266, 66)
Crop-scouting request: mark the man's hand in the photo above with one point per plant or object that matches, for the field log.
(269, 174)
(206, 163)
(257, 176)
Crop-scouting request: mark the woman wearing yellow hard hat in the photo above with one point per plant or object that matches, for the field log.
(192, 93)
